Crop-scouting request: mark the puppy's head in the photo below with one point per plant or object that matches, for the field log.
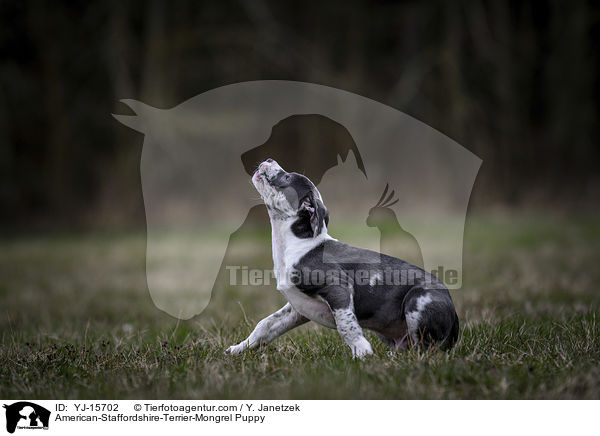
(291, 196)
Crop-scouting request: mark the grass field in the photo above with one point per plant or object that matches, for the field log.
(76, 321)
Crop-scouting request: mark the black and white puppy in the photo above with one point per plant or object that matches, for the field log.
(324, 280)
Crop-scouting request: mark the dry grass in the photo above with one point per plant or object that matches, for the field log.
(77, 322)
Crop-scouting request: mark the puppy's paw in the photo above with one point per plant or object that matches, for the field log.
(236, 349)
(361, 348)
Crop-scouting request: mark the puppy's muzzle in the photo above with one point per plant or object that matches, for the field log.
(267, 170)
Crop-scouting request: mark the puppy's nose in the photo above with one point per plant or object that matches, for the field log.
(269, 160)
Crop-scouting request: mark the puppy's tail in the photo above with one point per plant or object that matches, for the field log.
(452, 337)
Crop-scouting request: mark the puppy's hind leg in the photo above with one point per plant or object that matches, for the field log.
(431, 318)
(395, 344)
(390, 343)
(270, 328)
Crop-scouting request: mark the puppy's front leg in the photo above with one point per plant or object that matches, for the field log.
(270, 329)
(342, 307)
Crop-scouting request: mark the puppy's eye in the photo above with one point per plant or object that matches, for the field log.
(281, 179)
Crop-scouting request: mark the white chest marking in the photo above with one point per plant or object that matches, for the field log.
(312, 308)
(287, 251)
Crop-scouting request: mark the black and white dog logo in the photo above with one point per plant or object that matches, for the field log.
(26, 415)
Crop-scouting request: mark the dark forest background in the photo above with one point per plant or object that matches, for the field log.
(515, 82)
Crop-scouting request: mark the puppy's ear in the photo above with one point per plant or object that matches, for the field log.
(317, 214)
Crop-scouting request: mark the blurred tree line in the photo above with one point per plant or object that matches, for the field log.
(515, 82)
